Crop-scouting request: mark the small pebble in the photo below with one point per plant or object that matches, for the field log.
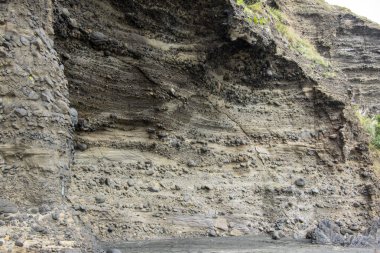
(113, 251)
(300, 182)
(19, 243)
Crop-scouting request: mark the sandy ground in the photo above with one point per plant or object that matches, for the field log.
(231, 245)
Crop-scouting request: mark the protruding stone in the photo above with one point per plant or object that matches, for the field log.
(212, 233)
(300, 182)
(98, 38)
(73, 23)
(21, 112)
(130, 183)
(100, 199)
(277, 235)
(65, 12)
(74, 116)
(7, 207)
(154, 187)
(81, 146)
(221, 223)
(24, 41)
(236, 232)
(113, 251)
(191, 163)
(19, 243)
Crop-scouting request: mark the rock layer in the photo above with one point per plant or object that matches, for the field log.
(189, 120)
(194, 125)
(349, 41)
(36, 147)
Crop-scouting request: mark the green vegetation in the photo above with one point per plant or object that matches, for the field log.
(301, 45)
(255, 12)
(329, 74)
(376, 139)
(372, 126)
(258, 13)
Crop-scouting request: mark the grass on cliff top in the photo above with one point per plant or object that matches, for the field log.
(259, 13)
(255, 12)
(301, 45)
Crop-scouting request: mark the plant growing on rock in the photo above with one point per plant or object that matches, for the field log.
(255, 12)
(372, 126)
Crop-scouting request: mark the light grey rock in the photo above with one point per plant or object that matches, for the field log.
(21, 112)
(212, 233)
(74, 116)
(130, 182)
(100, 199)
(191, 163)
(40, 229)
(44, 209)
(72, 251)
(74, 23)
(154, 187)
(55, 216)
(24, 41)
(277, 235)
(7, 207)
(314, 191)
(65, 12)
(47, 96)
(149, 172)
(328, 232)
(33, 95)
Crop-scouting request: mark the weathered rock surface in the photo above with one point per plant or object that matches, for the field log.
(36, 133)
(188, 120)
(349, 41)
(329, 232)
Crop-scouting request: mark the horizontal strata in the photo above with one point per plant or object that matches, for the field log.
(189, 127)
(134, 119)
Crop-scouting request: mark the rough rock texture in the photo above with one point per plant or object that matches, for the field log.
(36, 132)
(196, 124)
(188, 121)
(329, 232)
(349, 41)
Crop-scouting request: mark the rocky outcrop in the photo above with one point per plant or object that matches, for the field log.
(351, 44)
(329, 232)
(198, 121)
(35, 136)
(36, 132)
(189, 120)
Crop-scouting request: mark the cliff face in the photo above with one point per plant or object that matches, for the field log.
(350, 42)
(189, 118)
